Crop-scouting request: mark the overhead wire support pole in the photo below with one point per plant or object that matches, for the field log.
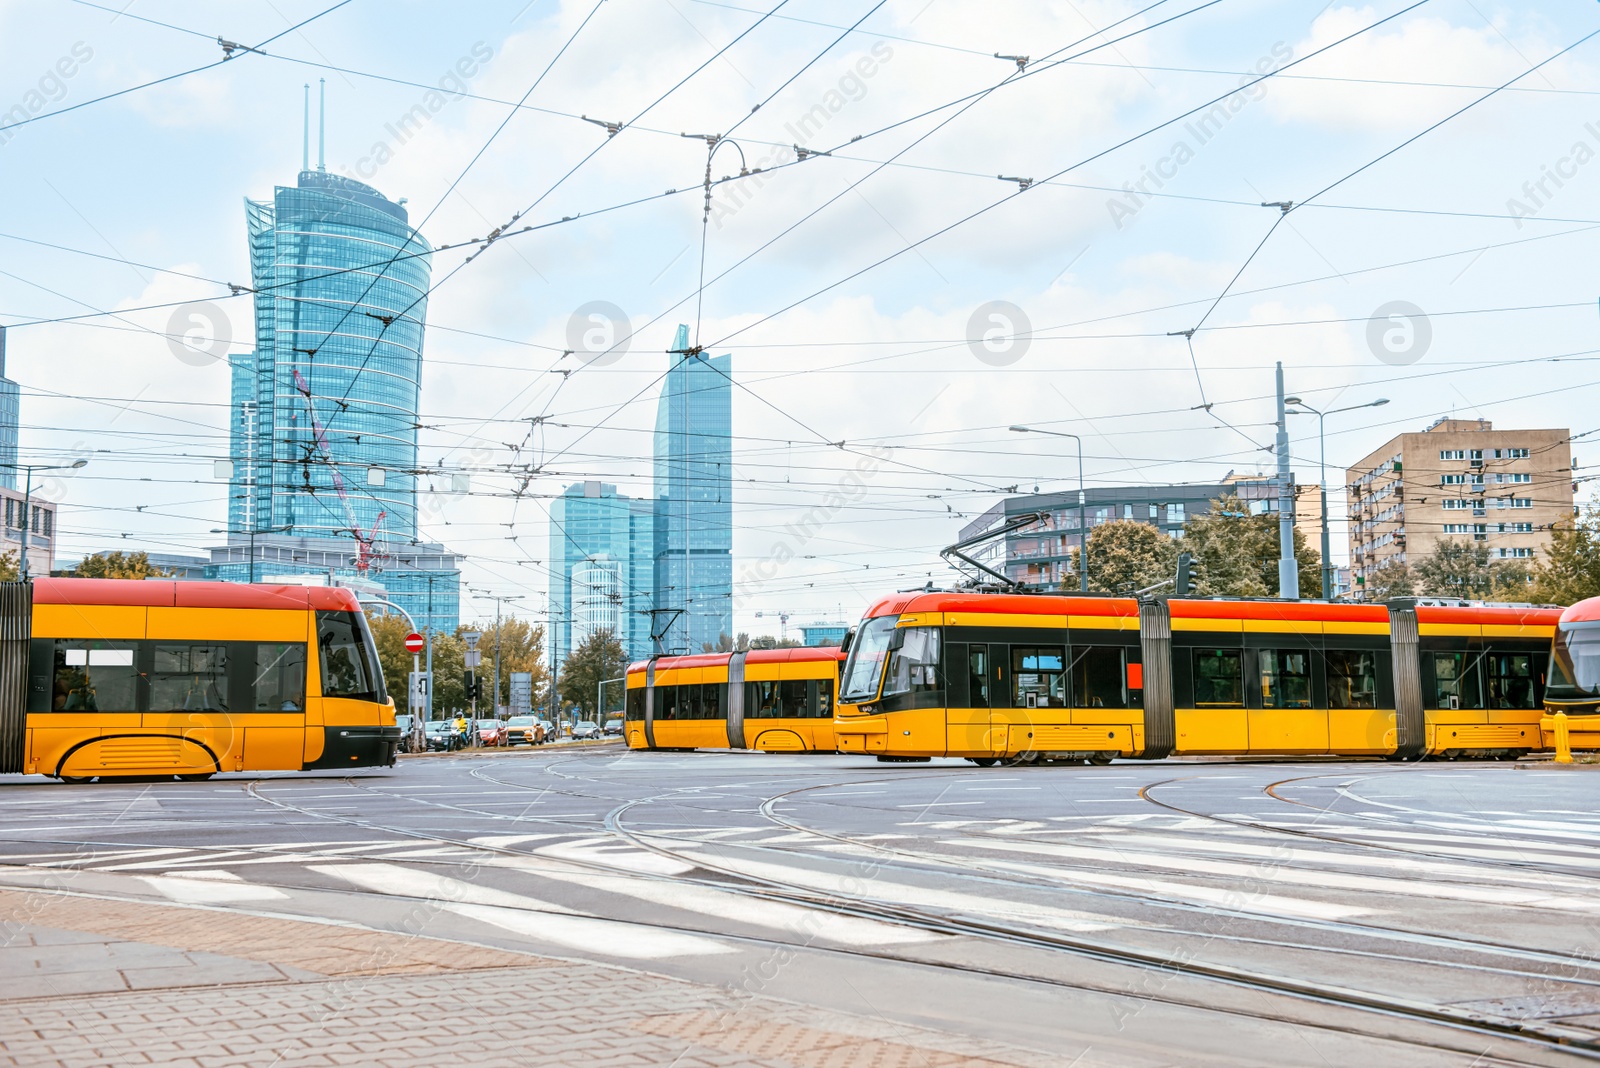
(1288, 567)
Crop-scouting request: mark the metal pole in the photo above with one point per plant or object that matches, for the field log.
(1327, 562)
(1083, 529)
(428, 635)
(27, 496)
(496, 702)
(1288, 568)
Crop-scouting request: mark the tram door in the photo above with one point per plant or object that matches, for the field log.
(996, 694)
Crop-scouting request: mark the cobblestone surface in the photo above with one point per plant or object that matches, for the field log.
(84, 995)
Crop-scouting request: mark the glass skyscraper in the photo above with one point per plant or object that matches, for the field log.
(694, 498)
(324, 411)
(601, 567)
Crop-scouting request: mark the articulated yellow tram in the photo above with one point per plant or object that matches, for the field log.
(1021, 678)
(104, 678)
(776, 700)
(1575, 676)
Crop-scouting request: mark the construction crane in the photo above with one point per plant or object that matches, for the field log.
(783, 622)
(365, 554)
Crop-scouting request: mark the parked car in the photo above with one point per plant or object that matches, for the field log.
(524, 730)
(442, 736)
(550, 733)
(585, 728)
(614, 725)
(491, 732)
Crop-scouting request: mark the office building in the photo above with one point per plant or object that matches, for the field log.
(694, 499)
(600, 569)
(1041, 556)
(1459, 479)
(10, 417)
(823, 633)
(324, 411)
(40, 518)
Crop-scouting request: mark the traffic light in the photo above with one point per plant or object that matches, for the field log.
(472, 686)
(1188, 580)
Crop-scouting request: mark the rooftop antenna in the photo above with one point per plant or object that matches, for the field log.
(305, 137)
(322, 120)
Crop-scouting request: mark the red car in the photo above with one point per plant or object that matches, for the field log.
(491, 732)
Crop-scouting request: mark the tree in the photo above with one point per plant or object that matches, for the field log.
(1391, 581)
(1464, 569)
(1236, 553)
(118, 566)
(767, 641)
(9, 569)
(1570, 571)
(1126, 555)
(600, 657)
(521, 649)
(389, 635)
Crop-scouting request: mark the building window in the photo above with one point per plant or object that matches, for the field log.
(1154, 512)
(1476, 455)
(10, 513)
(34, 526)
(1452, 454)
(1516, 454)
(1519, 476)
(1452, 480)
(1175, 512)
(1454, 504)
(1515, 554)
(1127, 511)
(48, 524)
(1522, 502)
(1457, 528)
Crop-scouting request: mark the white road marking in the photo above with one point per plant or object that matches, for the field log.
(607, 852)
(208, 891)
(409, 882)
(588, 935)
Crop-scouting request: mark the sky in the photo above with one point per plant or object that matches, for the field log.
(1103, 211)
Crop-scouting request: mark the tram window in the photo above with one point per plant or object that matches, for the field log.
(978, 676)
(914, 667)
(349, 662)
(713, 698)
(1039, 677)
(1097, 678)
(633, 708)
(1511, 680)
(1285, 678)
(824, 701)
(279, 682)
(93, 677)
(761, 700)
(187, 677)
(1218, 678)
(792, 703)
(1352, 679)
(666, 702)
(1455, 681)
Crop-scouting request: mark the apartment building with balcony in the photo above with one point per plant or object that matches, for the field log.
(1459, 479)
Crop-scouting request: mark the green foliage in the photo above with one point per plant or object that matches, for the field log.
(1386, 582)
(118, 566)
(1570, 571)
(767, 641)
(600, 657)
(1126, 555)
(1464, 569)
(10, 570)
(521, 649)
(1236, 554)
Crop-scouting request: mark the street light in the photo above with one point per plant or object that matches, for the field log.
(1322, 447)
(252, 532)
(27, 498)
(1083, 526)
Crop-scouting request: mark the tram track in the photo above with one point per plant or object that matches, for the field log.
(616, 822)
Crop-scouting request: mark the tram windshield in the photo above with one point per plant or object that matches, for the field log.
(1575, 662)
(867, 655)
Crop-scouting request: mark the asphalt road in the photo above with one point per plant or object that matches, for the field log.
(1138, 914)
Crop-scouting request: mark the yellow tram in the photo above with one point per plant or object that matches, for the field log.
(776, 700)
(992, 676)
(1575, 676)
(104, 678)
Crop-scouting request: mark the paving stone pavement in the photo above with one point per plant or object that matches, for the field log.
(89, 983)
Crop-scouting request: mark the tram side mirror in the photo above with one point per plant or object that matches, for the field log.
(849, 636)
(897, 639)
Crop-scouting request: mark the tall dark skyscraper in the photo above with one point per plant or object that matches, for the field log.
(694, 498)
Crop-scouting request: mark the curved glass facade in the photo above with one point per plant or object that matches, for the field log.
(341, 285)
